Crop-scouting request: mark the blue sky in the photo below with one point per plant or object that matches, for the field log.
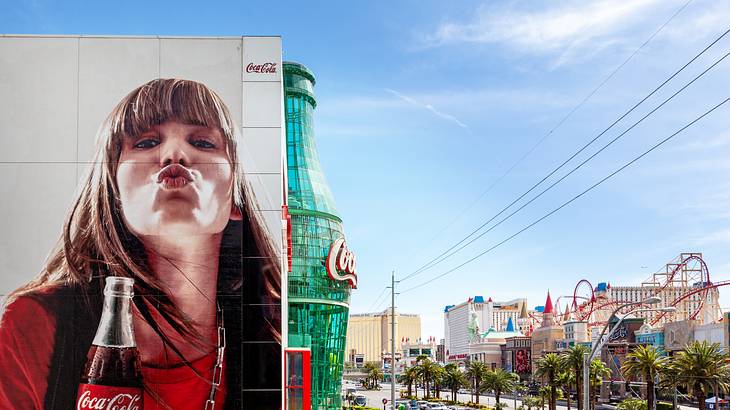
(423, 105)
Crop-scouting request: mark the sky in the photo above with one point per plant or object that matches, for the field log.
(433, 116)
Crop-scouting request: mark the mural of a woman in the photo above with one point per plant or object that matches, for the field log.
(165, 202)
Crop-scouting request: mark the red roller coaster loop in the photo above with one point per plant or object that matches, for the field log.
(702, 283)
(688, 274)
(579, 310)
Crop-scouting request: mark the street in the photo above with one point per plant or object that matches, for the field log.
(375, 397)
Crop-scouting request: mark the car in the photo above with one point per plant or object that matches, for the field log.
(360, 400)
(437, 406)
(398, 402)
(422, 405)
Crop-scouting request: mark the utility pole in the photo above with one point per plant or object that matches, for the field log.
(586, 377)
(392, 339)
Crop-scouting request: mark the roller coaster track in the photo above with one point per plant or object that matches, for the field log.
(688, 273)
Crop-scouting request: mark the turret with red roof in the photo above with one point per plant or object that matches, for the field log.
(547, 313)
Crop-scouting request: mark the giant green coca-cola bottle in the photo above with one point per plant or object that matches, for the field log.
(323, 270)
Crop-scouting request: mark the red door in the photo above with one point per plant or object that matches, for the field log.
(298, 381)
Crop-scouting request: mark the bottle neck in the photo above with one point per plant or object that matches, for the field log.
(115, 326)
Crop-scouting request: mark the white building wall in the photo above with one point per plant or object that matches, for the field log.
(488, 314)
(457, 322)
(712, 333)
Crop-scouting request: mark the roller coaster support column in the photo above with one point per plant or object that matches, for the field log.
(599, 344)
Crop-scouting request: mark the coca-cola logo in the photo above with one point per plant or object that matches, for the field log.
(106, 398)
(340, 259)
(261, 68)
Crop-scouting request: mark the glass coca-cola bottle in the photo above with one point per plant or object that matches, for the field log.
(112, 377)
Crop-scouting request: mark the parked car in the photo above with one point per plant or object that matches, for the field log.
(360, 400)
(437, 406)
(398, 402)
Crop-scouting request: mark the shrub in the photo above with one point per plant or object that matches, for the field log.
(632, 404)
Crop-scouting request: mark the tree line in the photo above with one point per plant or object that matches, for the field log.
(701, 369)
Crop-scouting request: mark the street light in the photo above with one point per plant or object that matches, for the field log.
(652, 300)
(600, 342)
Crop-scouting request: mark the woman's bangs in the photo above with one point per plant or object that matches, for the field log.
(170, 99)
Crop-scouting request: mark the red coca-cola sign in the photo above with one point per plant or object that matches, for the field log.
(264, 68)
(340, 259)
(97, 397)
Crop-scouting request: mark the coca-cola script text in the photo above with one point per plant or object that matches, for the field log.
(340, 259)
(95, 397)
(261, 68)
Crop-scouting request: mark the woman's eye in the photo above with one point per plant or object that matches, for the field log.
(146, 143)
(201, 143)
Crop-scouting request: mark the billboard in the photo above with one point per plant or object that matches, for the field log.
(158, 159)
(522, 361)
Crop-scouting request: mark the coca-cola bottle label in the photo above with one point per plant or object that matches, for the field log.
(98, 397)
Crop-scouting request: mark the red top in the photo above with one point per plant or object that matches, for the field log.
(26, 344)
(548, 304)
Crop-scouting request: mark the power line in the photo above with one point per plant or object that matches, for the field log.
(431, 263)
(579, 165)
(379, 305)
(372, 306)
(571, 200)
(558, 125)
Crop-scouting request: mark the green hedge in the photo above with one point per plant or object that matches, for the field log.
(661, 405)
(632, 404)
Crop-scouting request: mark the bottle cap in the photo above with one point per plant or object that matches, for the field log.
(119, 286)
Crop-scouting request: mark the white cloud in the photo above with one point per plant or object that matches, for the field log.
(710, 19)
(413, 101)
(566, 33)
(717, 237)
(462, 100)
(710, 143)
(546, 29)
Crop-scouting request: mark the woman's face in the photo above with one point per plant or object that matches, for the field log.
(175, 179)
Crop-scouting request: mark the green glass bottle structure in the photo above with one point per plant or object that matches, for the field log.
(318, 305)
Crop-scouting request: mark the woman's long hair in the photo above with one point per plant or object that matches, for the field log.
(96, 243)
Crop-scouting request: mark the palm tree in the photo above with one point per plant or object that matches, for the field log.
(438, 376)
(408, 377)
(703, 367)
(546, 392)
(597, 370)
(475, 372)
(573, 359)
(498, 381)
(566, 379)
(373, 374)
(669, 379)
(428, 372)
(531, 401)
(419, 365)
(454, 379)
(549, 367)
(645, 362)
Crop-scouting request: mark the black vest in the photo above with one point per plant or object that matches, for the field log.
(76, 323)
